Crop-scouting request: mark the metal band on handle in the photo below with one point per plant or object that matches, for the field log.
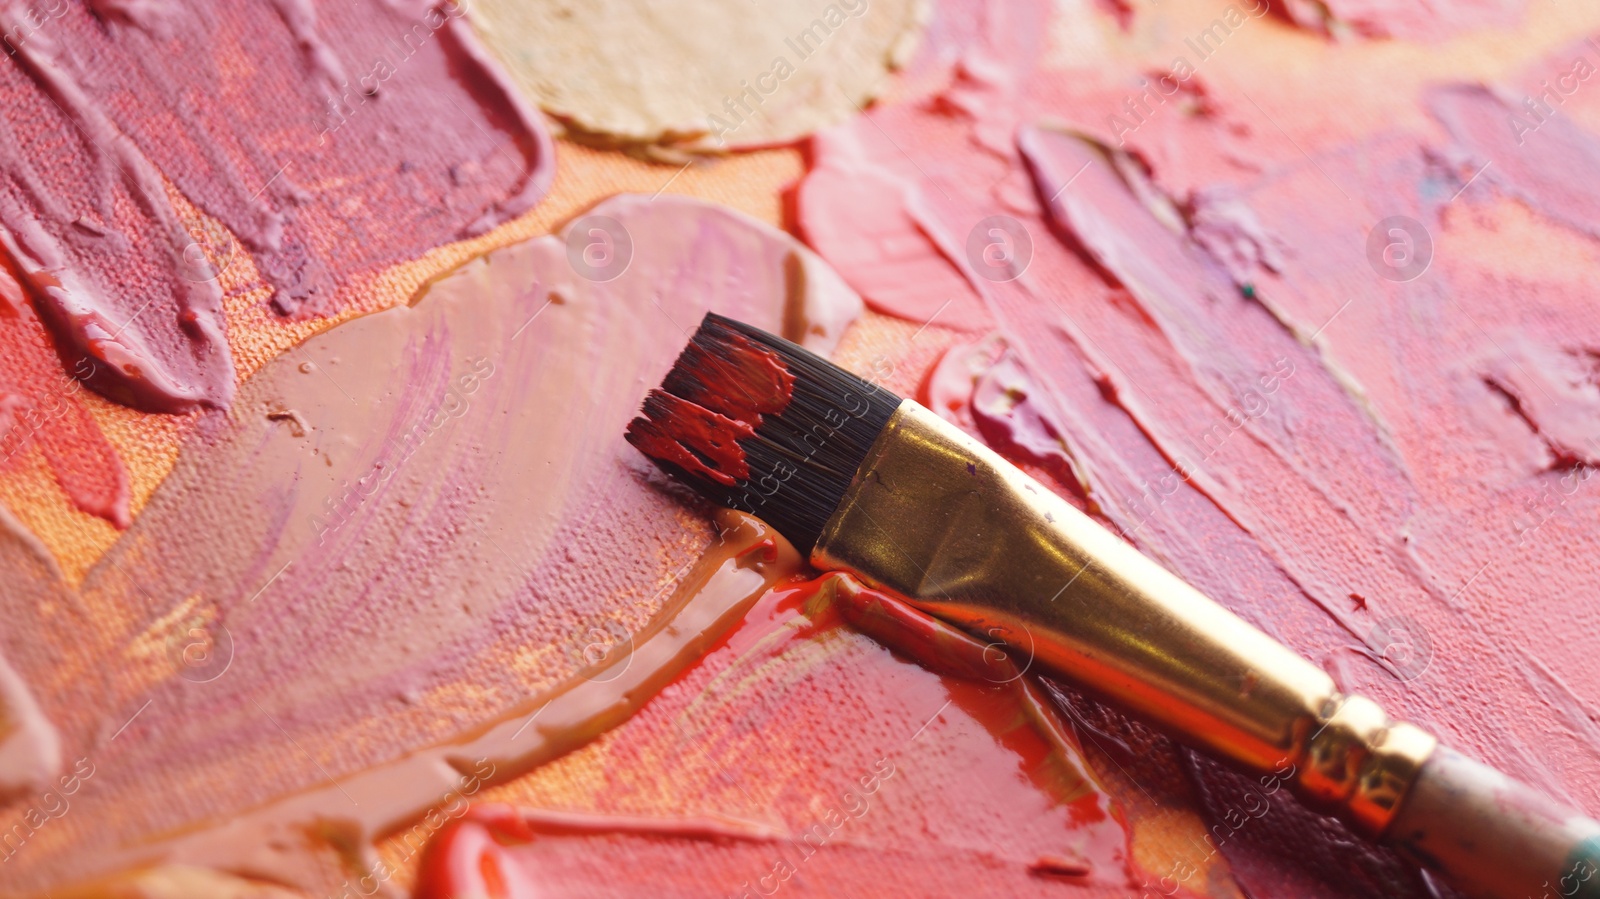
(942, 520)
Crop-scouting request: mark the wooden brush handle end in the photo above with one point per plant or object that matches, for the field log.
(1493, 837)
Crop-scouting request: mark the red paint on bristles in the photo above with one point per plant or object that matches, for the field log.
(715, 396)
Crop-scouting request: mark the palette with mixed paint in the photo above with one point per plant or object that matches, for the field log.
(325, 569)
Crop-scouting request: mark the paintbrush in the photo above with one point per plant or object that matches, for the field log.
(867, 483)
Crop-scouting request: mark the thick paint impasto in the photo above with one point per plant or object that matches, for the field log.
(163, 157)
(313, 591)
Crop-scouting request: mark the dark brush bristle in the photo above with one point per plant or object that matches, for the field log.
(756, 423)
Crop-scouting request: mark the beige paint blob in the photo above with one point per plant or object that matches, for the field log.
(699, 77)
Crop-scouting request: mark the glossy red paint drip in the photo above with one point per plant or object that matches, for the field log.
(954, 653)
(764, 551)
(1010, 751)
(475, 855)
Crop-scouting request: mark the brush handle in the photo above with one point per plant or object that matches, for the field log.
(939, 518)
(1495, 837)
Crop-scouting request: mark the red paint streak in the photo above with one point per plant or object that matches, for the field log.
(467, 858)
(764, 551)
(935, 645)
(712, 399)
(476, 854)
(906, 755)
(691, 437)
(1432, 22)
(741, 380)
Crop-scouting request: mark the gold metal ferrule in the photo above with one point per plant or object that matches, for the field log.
(941, 519)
